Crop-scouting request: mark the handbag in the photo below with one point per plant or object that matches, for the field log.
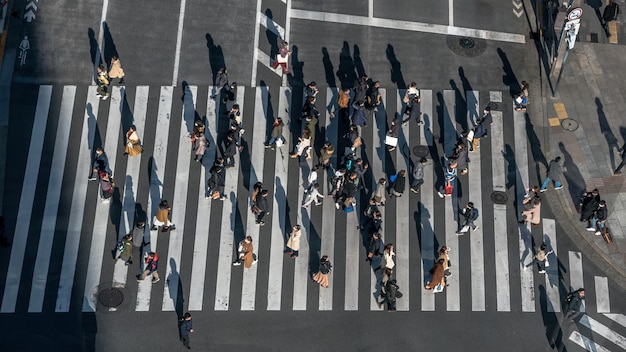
(255, 209)
(448, 189)
(465, 228)
(438, 288)
(393, 178)
(470, 135)
(518, 100)
(279, 143)
(391, 141)
(357, 142)
(215, 195)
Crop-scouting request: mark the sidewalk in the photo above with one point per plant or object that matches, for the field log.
(591, 103)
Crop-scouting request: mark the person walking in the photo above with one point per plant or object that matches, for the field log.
(418, 175)
(303, 146)
(103, 83)
(282, 58)
(106, 187)
(215, 184)
(133, 145)
(450, 178)
(313, 194)
(379, 193)
(264, 208)
(293, 243)
(344, 103)
(358, 114)
(277, 134)
(444, 254)
(200, 144)
(328, 149)
(161, 219)
(398, 185)
(125, 249)
(470, 214)
(186, 328)
(321, 276)
(438, 280)
(388, 254)
(532, 211)
(522, 100)
(574, 301)
(392, 292)
(246, 253)
(540, 257)
(116, 70)
(555, 171)
(100, 163)
(373, 248)
(152, 265)
(230, 151)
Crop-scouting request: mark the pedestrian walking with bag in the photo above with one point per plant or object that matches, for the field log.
(388, 257)
(215, 184)
(541, 258)
(161, 219)
(125, 249)
(470, 214)
(103, 83)
(133, 145)
(522, 100)
(326, 154)
(152, 265)
(293, 243)
(245, 253)
(574, 302)
(263, 205)
(373, 248)
(437, 282)
(321, 276)
(398, 184)
(450, 178)
(532, 211)
(100, 163)
(555, 172)
(313, 195)
(186, 328)
(276, 138)
(379, 193)
(418, 175)
(282, 58)
(392, 293)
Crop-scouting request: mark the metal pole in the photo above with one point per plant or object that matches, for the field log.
(556, 86)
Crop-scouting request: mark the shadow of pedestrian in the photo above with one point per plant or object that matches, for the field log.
(396, 68)
(216, 56)
(605, 128)
(575, 181)
(554, 333)
(460, 110)
(97, 138)
(328, 68)
(109, 45)
(94, 51)
(346, 68)
(175, 288)
(296, 78)
(509, 79)
(272, 34)
(471, 105)
(535, 147)
(358, 64)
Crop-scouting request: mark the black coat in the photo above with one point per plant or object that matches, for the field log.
(400, 184)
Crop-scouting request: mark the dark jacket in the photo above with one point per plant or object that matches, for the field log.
(399, 184)
(555, 171)
(601, 213)
(358, 115)
(470, 214)
(262, 203)
(479, 131)
(185, 327)
(374, 246)
(231, 149)
(325, 267)
(349, 188)
(216, 180)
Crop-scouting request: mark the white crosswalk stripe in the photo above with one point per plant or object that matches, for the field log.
(198, 254)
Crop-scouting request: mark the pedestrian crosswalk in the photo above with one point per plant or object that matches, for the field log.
(62, 261)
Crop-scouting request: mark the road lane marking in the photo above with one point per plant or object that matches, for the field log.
(553, 298)
(602, 294)
(179, 40)
(100, 47)
(603, 331)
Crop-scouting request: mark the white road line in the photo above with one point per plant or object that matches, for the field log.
(377, 166)
(426, 207)
(255, 53)
(402, 215)
(450, 13)
(55, 179)
(100, 48)
(576, 273)
(287, 28)
(602, 294)
(101, 220)
(475, 195)
(257, 151)
(77, 209)
(527, 284)
(227, 233)
(179, 40)
(133, 165)
(301, 270)
(618, 318)
(353, 242)
(586, 343)
(370, 9)
(453, 295)
(500, 238)
(201, 242)
(328, 208)
(407, 25)
(603, 331)
(553, 299)
(157, 177)
(179, 203)
(279, 207)
(265, 59)
(272, 26)
(27, 199)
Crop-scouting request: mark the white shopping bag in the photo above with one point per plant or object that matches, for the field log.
(391, 141)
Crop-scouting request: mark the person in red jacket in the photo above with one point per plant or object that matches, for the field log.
(152, 264)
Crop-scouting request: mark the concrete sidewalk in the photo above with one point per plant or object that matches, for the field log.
(585, 124)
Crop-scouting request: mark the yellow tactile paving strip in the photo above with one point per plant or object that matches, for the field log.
(612, 27)
(561, 114)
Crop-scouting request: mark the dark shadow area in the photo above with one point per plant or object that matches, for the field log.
(605, 128)
(460, 112)
(554, 333)
(109, 45)
(346, 68)
(328, 68)
(175, 288)
(216, 56)
(115, 209)
(470, 102)
(97, 139)
(128, 118)
(396, 68)
(575, 180)
(93, 47)
(272, 34)
(535, 148)
(509, 79)
(358, 64)
(296, 78)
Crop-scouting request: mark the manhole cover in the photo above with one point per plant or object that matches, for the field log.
(111, 297)
(420, 151)
(569, 124)
(465, 46)
(492, 106)
(499, 197)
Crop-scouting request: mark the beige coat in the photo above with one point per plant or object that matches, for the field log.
(116, 70)
(294, 240)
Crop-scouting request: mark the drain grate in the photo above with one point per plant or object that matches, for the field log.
(420, 151)
(111, 297)
(464, 46)
(499, 197)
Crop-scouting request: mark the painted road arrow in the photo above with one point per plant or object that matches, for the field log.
(29, 16)
(31, 5)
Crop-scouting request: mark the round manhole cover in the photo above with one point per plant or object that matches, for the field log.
(111, 297)
(465, 46)
(420, 151)
(569, 124)
(499, 197)
(492, 106)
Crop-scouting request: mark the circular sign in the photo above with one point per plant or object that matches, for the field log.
(574, 14)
